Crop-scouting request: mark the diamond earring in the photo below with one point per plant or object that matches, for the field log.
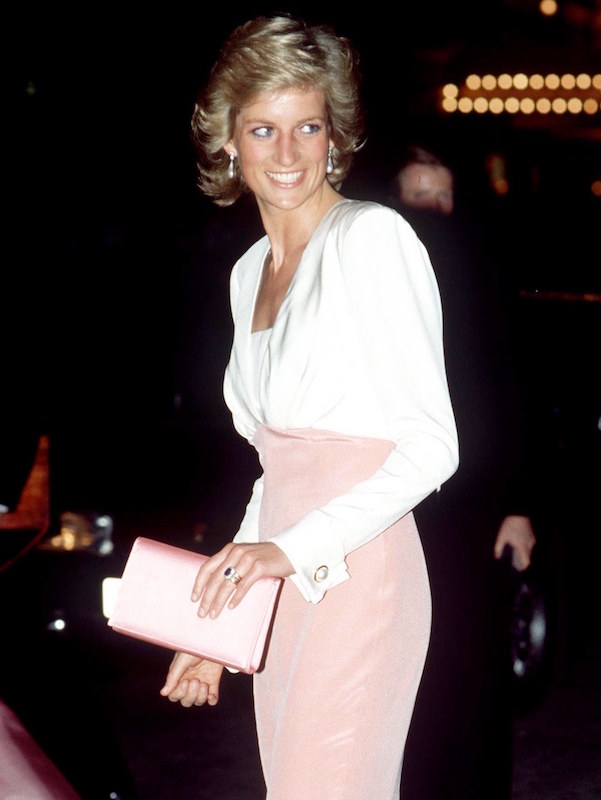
(230, 170)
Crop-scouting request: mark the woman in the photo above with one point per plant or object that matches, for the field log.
(337, 378)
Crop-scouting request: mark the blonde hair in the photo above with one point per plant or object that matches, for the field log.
(264, 56)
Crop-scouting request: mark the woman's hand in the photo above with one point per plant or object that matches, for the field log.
(192, 681)
(249, 561)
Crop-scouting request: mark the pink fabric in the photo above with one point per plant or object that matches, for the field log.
(335, 699)
(26, 773)
(153, 604)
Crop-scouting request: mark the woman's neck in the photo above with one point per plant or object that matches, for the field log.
(289, 230)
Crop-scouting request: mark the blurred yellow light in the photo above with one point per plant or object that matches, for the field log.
(68, 538)
(583, 81)
(534, 93)
(543, 105)
(596, 188)
(536, 81)
(449, 104)
(547, 7)
(568, 81)
(527, 105)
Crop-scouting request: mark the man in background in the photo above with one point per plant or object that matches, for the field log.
(460, 744)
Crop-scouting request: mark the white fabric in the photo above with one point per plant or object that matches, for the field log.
(356, 348)
(260, 340)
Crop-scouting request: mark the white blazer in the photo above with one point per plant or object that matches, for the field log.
(356, 348)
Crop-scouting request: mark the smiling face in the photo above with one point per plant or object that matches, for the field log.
(281, 141)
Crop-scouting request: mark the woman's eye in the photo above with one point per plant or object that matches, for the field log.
(310, 127)
(262, 132)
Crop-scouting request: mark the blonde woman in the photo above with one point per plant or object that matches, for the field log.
(337, 378)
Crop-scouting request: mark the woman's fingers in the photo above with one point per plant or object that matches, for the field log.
(226, 577)
(197, 684)
(195, 694)
(217, 580)
(189, 693)
(207, 572)
(215, 587)
(180, 663)
(254, 571)
(228, 586)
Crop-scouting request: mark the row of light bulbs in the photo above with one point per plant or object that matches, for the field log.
(525, 94)
(536, 81)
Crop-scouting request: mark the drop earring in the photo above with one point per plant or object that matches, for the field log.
(230, 170)
(330, 164)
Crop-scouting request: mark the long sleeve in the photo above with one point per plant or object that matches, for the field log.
(362, 328)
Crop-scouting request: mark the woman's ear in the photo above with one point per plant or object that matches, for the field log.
(230, 149)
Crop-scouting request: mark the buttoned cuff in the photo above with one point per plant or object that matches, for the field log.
(319, 565)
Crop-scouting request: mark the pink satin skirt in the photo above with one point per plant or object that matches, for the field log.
(334, 701)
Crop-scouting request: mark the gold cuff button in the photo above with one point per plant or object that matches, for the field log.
(321, 573)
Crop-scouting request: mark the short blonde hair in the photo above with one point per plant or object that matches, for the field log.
(264, 56)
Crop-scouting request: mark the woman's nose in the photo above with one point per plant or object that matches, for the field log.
(287, 150)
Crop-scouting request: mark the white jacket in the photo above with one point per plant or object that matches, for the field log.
(356, 348)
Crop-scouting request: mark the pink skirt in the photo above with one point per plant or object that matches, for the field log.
(334, 701)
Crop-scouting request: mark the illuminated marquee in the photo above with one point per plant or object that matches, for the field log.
(523, 94)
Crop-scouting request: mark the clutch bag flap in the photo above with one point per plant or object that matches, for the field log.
(153, 604)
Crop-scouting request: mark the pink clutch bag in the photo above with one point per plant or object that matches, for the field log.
(153, 603)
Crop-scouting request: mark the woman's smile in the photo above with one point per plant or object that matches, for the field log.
(286, 178)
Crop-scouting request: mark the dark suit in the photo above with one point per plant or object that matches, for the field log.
(460, 741)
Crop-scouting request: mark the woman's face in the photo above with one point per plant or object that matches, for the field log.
(281, 141)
